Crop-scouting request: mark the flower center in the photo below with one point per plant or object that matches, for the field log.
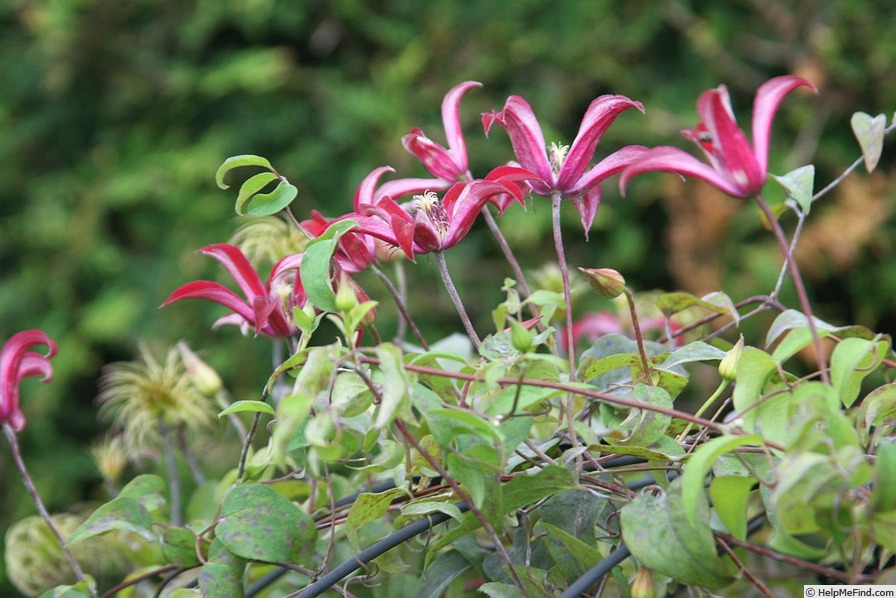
(557, 155)
(430, 204)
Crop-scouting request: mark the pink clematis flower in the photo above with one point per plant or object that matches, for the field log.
(565, 170)
(427, 223)
(267, 307)
(734, 166)
(449, 164)
(17, 362)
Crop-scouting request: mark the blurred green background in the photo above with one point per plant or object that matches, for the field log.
(115, 114)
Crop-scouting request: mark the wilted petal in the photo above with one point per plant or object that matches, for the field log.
(673, 159)
(600, 115)
(525, 135)
(765, 105)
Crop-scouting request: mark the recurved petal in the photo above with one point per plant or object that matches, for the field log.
(403, 187)
(768, 98)
(673, 159)
(525, 135)
(233, 259)
(435, 158)
(364, 196)
(729, 145)
(451, 119)
(587, 206)
(206, 289)
(17, 362)
(600, 115)
(612, 164)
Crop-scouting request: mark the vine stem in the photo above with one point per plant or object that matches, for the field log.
(41, 509)
(499, 546)
(798, 284)
(398, 297)
(567, 298)
(639, 338)
(174, 494)
(508, 252)
(455, 298)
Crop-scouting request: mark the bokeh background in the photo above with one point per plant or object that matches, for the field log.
(114, 116)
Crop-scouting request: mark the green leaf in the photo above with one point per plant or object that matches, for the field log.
(883, 492)
(257, 523)
(565, 547)
(799, 185)
(250, 406)
(253, 185)
(315, 270)
(754, 370)
(645, 426)
(730, 495)
(852, 360)
(351, 396)
(672, 303)
(79, 590)
(667, 538)
(397, 383)
(446, 567)
(699, 464)
(368, 507)
(179, 547)
(869, 132)
(222, 574)
(693, 352)
(121, 513)
(446, 424)
(877, 409)
(147, 489)
(267, 204)
(237, 161)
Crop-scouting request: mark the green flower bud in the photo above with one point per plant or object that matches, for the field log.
(642, 585)
(346, 299)
(520, 336)
(608, 283)
(729, 363)
(203, 377)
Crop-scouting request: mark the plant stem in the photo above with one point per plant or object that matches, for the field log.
(398, 297)
(800, 288)
(508, 252)
(41, 509)
(703, 408)
(455, 298)
(567, 298)
(171, 467)
(639, 339)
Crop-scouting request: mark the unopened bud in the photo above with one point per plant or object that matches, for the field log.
(520, 336)
(729, 363)
(346, 298)
(642, 586)
(608, 283)
(203, 377)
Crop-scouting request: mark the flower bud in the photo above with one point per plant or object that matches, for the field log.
(346, 299)
(642, 585)
(608, 283)
(729, 363)
(203, 377)
(520, 336)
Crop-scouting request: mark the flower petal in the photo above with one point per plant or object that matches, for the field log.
(673, 159)
(435, 158)
(463, 203)
(525, 134)
(729, 145)
(612, 164)
(233, 259)
(768, 98)
(364, 196)
(453, 132)
(17, 362)
(206, 289)
(600, 115)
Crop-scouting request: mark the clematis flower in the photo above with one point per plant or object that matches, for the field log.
(734, 166)
(267, 306)
(561, 169)
(449, 164)
(428, 223)
(17, 362)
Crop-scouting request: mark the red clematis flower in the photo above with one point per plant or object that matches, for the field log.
(734, 166)
(451, 164)
(267, 307)
(17, 362)
(428, 223)
(561, 169)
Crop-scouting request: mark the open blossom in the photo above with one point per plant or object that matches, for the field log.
(565, 170)
(17, 362)
(428, 223)
(267, 307)
(735, 167)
